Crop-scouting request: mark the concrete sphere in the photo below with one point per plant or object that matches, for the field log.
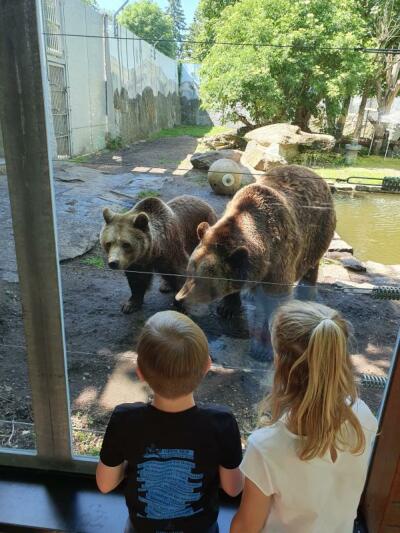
(225, 176)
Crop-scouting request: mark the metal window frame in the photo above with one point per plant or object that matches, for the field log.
(24, 99)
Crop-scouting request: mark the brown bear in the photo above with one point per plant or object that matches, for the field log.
(274, 231)
(153, 236)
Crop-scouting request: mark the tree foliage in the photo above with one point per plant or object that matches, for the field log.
(91, 3)
(383, 76)
(146, 19)
(261, 83)
(176, 14)
(203, 28)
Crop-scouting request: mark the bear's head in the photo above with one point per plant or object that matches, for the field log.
(126, 238)
(217, 267)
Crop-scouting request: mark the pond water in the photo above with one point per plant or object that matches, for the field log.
(370, 222)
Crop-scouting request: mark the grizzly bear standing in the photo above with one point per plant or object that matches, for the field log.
(273, 231)
(153, 236)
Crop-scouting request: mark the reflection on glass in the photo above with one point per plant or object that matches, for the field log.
(102, 321)
(16, 420)
(102, 364)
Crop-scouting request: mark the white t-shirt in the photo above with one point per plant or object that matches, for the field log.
(316, 496)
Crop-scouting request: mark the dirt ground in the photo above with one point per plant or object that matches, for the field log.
(100, 339)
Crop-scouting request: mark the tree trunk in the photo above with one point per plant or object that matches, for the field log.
(330, 117)
(379, 134)
(341, 121)
(302, 118)
(361, 112)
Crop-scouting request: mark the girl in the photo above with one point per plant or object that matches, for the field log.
(305, 471)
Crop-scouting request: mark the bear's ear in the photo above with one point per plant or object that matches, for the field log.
(108, 215)
(201, 229)
(141, 222)
(239, 262)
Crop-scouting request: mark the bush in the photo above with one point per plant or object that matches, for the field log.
(114, 143)
(319, 159)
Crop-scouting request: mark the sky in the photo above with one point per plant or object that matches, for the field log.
(189, 6)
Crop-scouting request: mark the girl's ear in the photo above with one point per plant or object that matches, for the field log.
(208, 365)
(139, 373)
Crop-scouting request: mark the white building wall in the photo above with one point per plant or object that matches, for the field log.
(116, 87)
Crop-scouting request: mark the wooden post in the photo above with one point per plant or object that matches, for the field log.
(381, 502)
(23, 96)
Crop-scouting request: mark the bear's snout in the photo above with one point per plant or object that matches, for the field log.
(113, 264)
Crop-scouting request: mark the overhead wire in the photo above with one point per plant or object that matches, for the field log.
(300, 48)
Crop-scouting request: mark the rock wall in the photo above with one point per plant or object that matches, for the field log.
(143, 84)
(118, 86)
(1, 145)
(191, 112)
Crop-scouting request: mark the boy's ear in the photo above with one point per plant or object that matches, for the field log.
(208, 365)
(139, 373)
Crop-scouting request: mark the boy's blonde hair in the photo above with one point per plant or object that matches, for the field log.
(314, 385)
(172, 354)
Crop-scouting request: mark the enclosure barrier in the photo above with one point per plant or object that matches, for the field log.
(391, 184)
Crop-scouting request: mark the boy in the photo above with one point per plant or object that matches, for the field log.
(175, 454)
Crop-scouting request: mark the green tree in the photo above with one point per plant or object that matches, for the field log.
(383, 76)
(146, 19)
(260, 83)
(91, 3)
(176, 14)
(202, 31)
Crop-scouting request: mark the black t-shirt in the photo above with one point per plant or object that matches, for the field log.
(173, 459)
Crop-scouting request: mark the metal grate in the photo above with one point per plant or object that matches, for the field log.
(53, 27)
(59, 109)
(391, 184)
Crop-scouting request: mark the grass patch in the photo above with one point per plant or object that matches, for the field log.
(201, 180)
(114, 143)
(376, 167)
(148, 193)
(192, 131)
(96, 262)
(79, 159)
(86, 442)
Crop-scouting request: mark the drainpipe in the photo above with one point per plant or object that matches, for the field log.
(115, 17)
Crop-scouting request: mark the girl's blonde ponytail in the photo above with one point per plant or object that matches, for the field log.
(314, 384)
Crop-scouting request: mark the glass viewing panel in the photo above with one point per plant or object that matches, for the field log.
(17, 429)
(108, 167)
(101, 337)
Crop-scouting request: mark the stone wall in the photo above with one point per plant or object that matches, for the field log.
(191, 112)
(1, 145)
(143, 84)
(117, 87)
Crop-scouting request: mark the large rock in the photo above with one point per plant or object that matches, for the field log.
(261, 158)
(227, 140)
(286, 139)
(203, 160)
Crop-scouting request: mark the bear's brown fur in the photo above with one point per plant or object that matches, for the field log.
(153, 237)
(274, 231)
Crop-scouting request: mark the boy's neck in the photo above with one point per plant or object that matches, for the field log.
(173, 406)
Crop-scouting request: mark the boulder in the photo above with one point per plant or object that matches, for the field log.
(261, 158)
(225, 176)
(203, 160)
(229, 139)
(287, 139)
(351, 263)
